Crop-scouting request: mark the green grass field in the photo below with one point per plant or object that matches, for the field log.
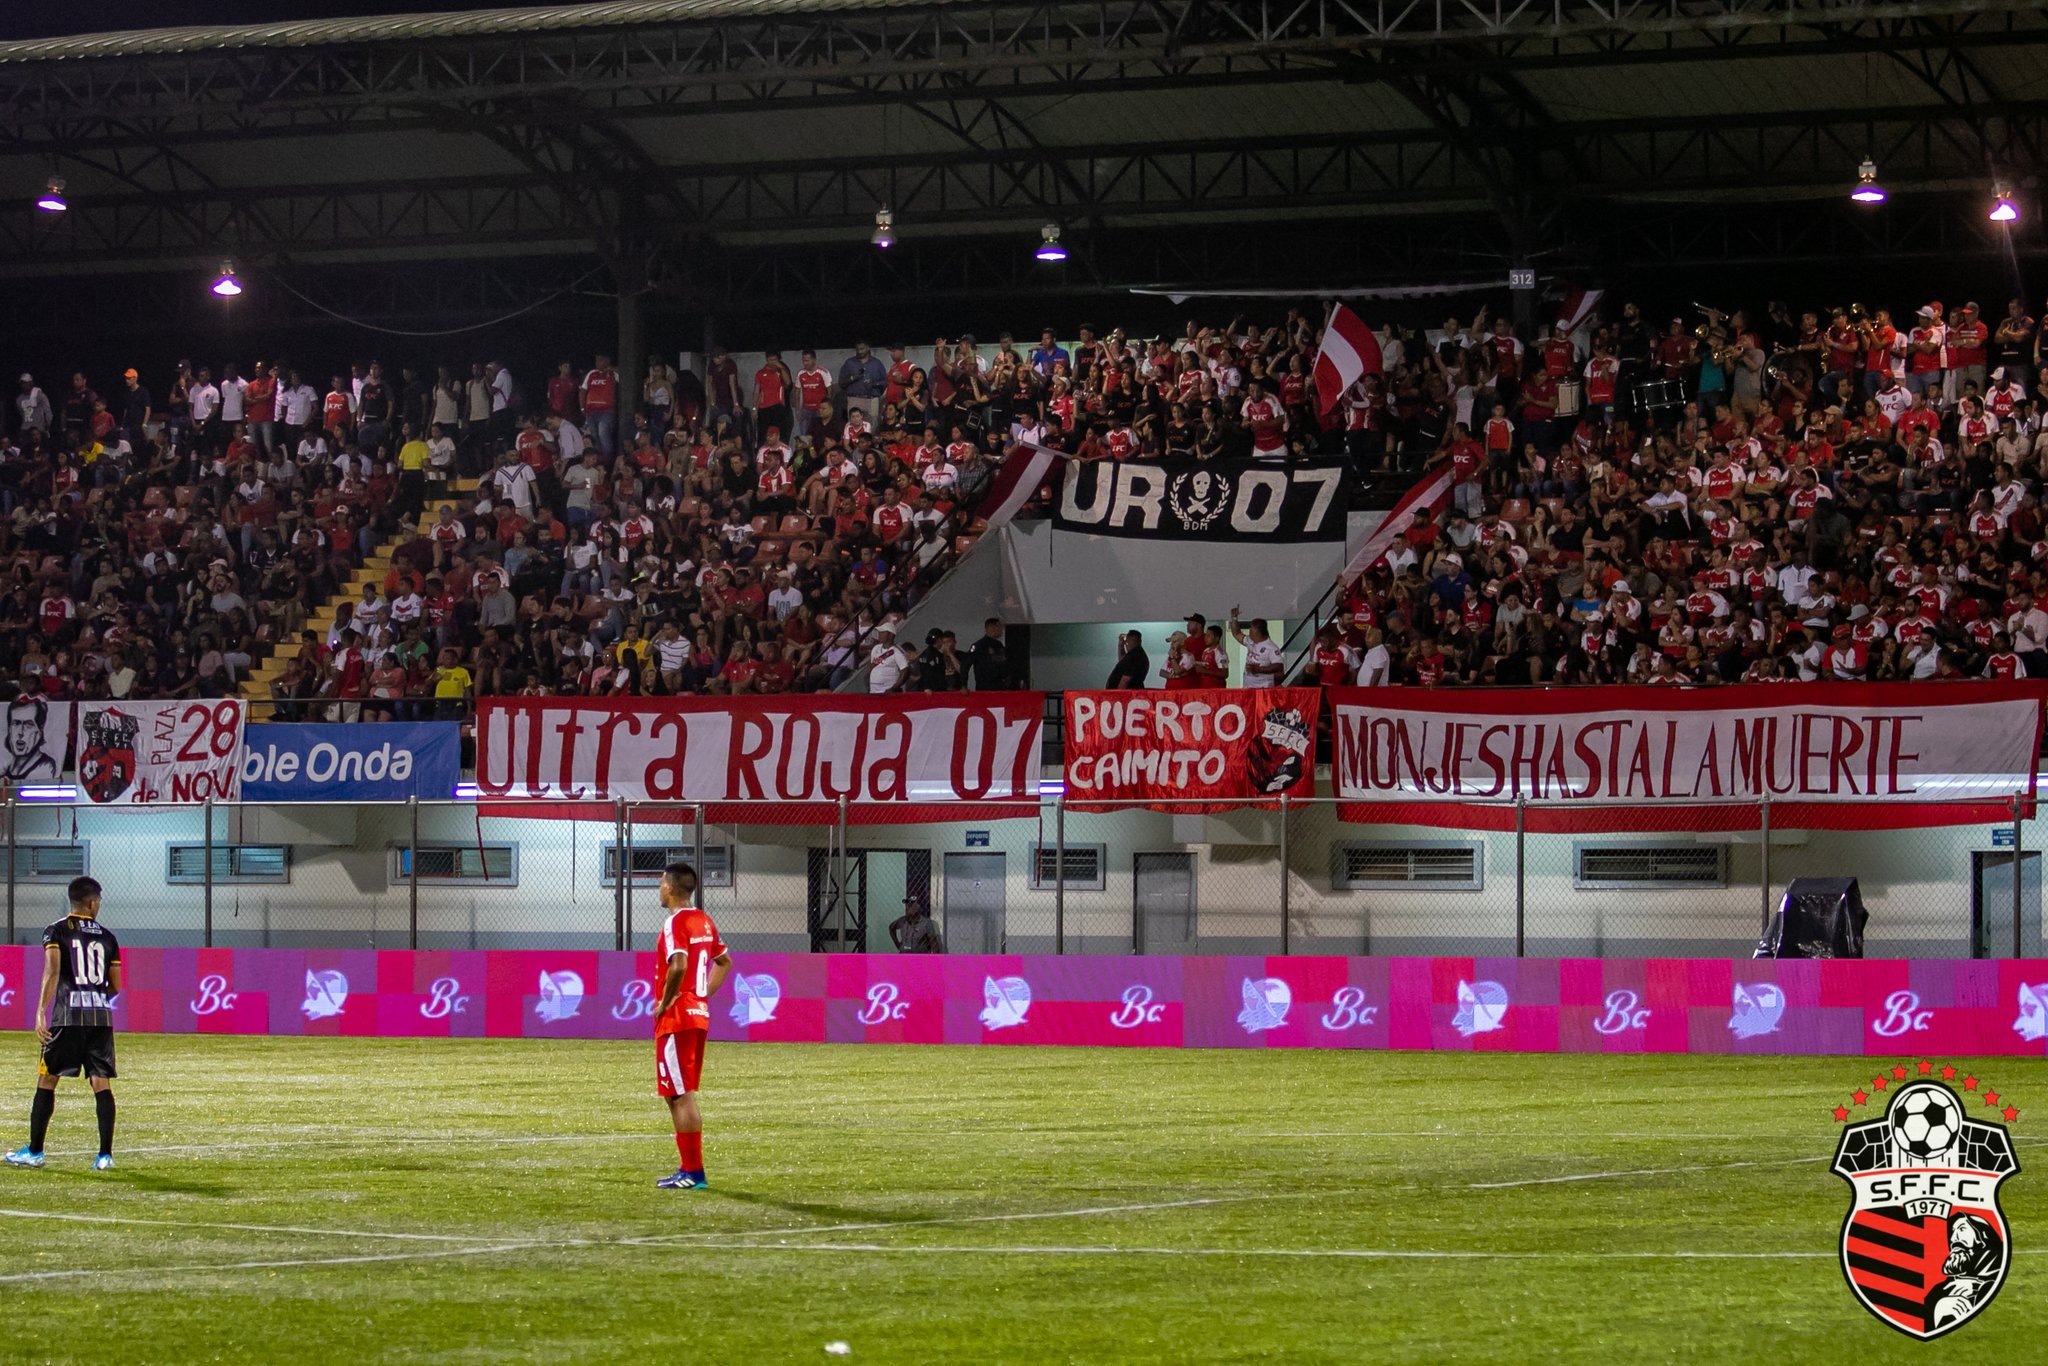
(325, 1200)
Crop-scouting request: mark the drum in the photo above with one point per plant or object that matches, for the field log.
(1571, 397)
(1659, 393)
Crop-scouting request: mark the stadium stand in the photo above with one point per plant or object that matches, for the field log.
(1825, 495)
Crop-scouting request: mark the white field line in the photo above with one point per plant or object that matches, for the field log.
(374, 1140)
(1642, 1171)
(140, 1272)
(406, 1141)
(924, 1250)
(250, 1228)
(1090, 1212)
(1361, 1253)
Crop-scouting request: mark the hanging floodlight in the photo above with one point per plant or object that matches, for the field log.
(1867, 190)
(225, 284)
(52, 198)
(884, 235)
(2003, 209)
(1049, 248)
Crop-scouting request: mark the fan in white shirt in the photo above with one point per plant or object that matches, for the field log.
(1263, 663)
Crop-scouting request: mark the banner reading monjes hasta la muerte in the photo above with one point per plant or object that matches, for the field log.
(1826, 756)
(1203, 744)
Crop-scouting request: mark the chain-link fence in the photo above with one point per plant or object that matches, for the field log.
(1314, 877)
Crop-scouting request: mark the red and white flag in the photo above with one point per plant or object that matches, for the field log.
(1575, 316)
(1432, 491)
(1349, 350)
(1017, 480)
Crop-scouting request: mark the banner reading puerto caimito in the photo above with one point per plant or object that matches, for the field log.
(1204, 744)
(1834, 756)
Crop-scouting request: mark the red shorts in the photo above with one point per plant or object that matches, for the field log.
(678, 1062)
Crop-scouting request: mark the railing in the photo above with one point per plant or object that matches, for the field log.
(1300, 877)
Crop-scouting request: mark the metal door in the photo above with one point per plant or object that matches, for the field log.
(974, 912)
(1163, 910)
(838, 916)
(1991, 905)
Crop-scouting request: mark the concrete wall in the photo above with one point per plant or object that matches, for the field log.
(344, 889)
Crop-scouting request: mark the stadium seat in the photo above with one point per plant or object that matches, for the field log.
(1515, 510)
(795, 524)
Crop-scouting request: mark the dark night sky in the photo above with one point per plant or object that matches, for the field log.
(48, 18)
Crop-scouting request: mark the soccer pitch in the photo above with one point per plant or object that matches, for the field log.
(492, 1200)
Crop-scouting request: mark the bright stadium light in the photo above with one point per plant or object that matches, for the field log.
(1049, 248)
(884, 235)
(225, 284)
(2003, 209)
(52, 198)
(1867, 190)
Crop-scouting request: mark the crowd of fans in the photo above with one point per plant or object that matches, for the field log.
(1817, 496)
(1827, 495)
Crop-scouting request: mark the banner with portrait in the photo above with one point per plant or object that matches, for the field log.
(38, 737)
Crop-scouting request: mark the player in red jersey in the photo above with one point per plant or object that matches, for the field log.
(694, 965)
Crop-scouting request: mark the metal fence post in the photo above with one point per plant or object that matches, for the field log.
(412, 863)
(1286, 931)
(1521, 875)
(618, 872)
(2019, 863)
(839, 881)
(626, 883)
(1059, 875)
(1764, 869)
(697, 849)
(208, 812)
(12, 869)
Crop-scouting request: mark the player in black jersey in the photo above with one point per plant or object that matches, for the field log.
(75, 1020)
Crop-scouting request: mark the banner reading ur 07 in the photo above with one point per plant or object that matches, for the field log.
(1826, 756)
(883, 755)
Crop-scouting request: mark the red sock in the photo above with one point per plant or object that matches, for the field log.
(690, 1149)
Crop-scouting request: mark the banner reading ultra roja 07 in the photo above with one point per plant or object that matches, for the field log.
(1826, 756)
(884, 754)
(1206, 744)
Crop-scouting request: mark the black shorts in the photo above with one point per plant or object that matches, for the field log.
(76, 1048)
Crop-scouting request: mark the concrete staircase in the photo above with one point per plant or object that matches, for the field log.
(256, 687)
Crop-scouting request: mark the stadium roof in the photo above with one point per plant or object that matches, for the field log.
(737, 149)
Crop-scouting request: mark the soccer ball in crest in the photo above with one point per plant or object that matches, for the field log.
(1925, 1121)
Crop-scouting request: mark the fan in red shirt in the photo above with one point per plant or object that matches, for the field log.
(892, 516)
(1267, 419)
(693, 963)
